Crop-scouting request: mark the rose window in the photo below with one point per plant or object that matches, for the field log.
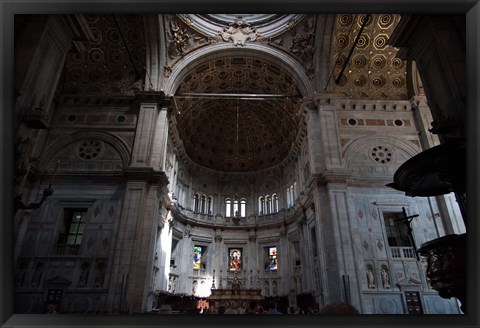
(381, 154)
(90, 149)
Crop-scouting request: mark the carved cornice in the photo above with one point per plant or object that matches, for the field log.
(146, 174)
(157, 97)
(184, 218)
(97, 100)
(327, 177)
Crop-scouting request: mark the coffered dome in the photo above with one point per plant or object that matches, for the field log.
(237, 114)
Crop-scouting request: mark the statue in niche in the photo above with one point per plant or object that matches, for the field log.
(385, 278)
(154, 278)
(299, 284)
(187, 233)
(194, 287)
(100, 274)
(302, 46)
(236, 284)
(274, 288)
(37, 275)
(20, 276)
(82, 280)
(174, 285)
(179, 39)
(370, 278)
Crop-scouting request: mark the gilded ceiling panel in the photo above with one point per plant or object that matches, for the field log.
(113, 63)
(372, 72)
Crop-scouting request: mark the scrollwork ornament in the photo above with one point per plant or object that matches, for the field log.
(239, 33)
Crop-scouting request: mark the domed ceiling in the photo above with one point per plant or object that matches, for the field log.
(224, 122)
(218, 128)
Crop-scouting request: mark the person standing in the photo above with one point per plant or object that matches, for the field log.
(272, 308)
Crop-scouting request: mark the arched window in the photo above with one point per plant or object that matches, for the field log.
(209, 206)
(203, 204)
(268, 204)
(274, 203)
(195, 203)
(289, 200)
(228, 207)
(295, 192)
(261, 205)
(292, 196)
(235, 207)
(243, 208)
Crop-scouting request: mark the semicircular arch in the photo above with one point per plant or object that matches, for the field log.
(117, 143)
(203, 55)
(355, 146)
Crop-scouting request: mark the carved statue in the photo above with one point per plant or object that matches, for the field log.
(302, 46)
(194, 287)
(179, 39)
(385, 278)
(370, 278)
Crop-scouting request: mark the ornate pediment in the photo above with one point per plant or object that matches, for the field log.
(408, 283)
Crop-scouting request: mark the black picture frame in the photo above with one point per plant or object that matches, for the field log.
(11, 7)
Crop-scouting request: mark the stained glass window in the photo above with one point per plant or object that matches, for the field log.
(235, 259)
(197, 257)
(272, 257)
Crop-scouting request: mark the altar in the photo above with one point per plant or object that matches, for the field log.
(235, 296)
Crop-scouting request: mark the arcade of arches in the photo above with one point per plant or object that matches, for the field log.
(230, 158)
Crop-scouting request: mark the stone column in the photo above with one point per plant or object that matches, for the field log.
(304, 251)
(149, 149)
(41, 46)
(217, 262)
(323, 137)
(423, 119)
(145, 191)
(253, 261)
(437, 44)
(325, 152)
(135, 247)
(284, 264)
(185, 265)
(166, 252)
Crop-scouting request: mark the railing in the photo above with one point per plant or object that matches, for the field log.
(402, 252)
(63, 249)
(270, 273)
(199, 273)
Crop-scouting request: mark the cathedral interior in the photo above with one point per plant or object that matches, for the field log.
(170, 162)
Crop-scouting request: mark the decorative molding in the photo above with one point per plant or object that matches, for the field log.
(239, 33)
(148, 174)
(235, 242)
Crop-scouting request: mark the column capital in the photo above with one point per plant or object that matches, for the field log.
(320, 100)
(156, 97)
(419, 101)
(333, 176)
